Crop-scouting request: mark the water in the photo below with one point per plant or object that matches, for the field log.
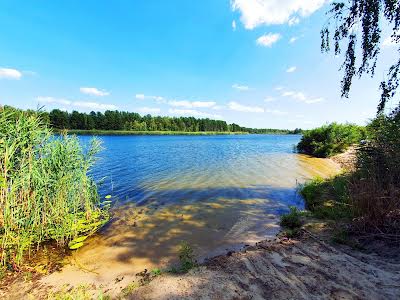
(142, 169)
(214, 192)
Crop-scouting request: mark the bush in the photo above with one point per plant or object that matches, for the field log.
(45, 192)
(328, 198)
(331, 139)
(292, 220)
(375, 192)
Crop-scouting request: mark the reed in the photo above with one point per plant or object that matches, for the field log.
(46, 193)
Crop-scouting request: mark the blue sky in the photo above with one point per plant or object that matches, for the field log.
(253, 62)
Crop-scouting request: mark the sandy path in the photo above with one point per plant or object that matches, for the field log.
(305, 269)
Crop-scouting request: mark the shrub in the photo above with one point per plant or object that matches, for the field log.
(186, 257)
(331, 139)
(375, 192)
(45, 192)
(328, 198)
(291, 220)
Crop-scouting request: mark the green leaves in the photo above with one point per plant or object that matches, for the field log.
(77, 243)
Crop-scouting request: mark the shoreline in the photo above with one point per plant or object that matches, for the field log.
(133, 133)
(41, 288)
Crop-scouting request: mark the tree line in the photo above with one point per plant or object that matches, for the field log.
(132, 121)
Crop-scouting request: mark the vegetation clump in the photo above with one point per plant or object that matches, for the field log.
(367, 198)
(331, 139)
(45, 191)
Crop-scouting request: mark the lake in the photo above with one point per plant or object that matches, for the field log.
(217, 193)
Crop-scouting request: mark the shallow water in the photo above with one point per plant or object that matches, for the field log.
(215, 192)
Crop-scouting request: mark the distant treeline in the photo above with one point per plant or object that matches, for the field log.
(131, 121)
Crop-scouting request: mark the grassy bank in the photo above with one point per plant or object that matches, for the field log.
(45, 192)
(366, 199)
(130, 132)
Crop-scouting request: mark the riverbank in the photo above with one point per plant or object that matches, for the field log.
(309, 267)
(130, 132)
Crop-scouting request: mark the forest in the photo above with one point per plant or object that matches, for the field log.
(131, 121)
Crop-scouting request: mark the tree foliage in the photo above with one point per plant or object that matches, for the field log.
(330, 139)
(359, 23)
(131, 121)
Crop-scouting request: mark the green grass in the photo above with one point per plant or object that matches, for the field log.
(45, 192)
(328, 198)
(130, 132)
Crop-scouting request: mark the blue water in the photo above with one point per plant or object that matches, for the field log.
(215, 192)
(135, 167)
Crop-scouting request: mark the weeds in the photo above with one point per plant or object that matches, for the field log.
(292, 220)
(45, 192)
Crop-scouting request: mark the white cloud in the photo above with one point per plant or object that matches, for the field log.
(279, 88)
(293, 21)
(140, 96)
(269, 99)
(388, 42)
(93, 91)
(243, 108)
(276, 112)
(6, 73)
(234, 25)
(267, 40)
(291, 69)
(193, 113)
(240, 87)
(194, 104)
(301, 97)
(274, 12)
(155, 98)
(293, 39)
(94, 105)
(51, 100)
(77, 104)
(149, 110)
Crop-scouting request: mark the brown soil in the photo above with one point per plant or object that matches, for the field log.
(285, 269)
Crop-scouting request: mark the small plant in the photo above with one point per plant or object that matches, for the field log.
(130, 288)
(186, 257)
(156, 272)
(292, 220)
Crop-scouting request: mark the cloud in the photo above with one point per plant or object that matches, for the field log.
(279, 88)
(301, 97)
(276, 112)
(145, 97)
(194, 104)
(234, 25)
(240, 87)
(293, 39)
(140, 96)
(291, 69)
(193, 113)
(267, 40)
(6, 73)
(77, 104)
(274, 12)
(149, 110)
(243, 108)
(388, 42)
(293, 21)
(93, 92)
(269, 99)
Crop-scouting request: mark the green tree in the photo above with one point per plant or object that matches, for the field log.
(359, 23)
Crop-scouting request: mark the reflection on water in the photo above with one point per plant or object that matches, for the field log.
(215, 192)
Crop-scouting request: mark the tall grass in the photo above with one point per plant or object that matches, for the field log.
(45, 193)
(375, 190)
(369, 196)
